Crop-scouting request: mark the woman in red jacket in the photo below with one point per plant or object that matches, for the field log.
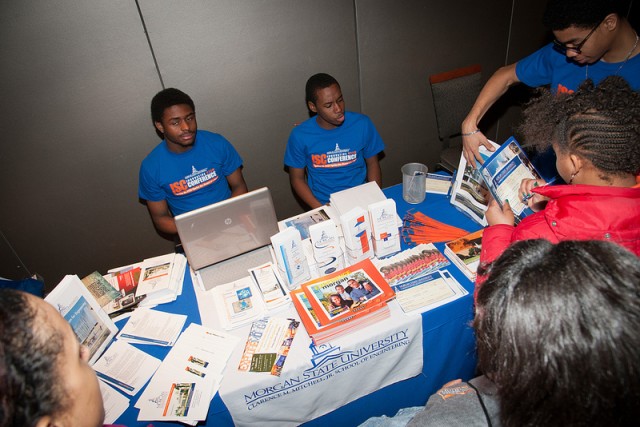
(595, 133)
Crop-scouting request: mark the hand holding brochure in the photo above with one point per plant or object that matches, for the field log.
(500, 175)
(504, 171)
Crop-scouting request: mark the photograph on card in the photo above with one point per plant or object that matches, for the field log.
(347, 292)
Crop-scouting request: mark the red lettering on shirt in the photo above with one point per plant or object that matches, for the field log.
(563, 89)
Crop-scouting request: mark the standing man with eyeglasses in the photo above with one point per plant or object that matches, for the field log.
(592, 40)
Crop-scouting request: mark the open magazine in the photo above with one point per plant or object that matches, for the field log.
(469, 193)
(91, 324)
(499, 176)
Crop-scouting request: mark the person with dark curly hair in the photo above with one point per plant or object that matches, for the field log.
(595, 134)
(593, 39)
(557, 339)
(45, 378)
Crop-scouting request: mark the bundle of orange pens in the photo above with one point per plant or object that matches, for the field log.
(418, 228)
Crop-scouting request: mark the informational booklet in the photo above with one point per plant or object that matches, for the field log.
(504, 171)
(89, 321)
(146, 326)
(469, 193)
(429, 292)
(499, 177)
(274, 294)
(438, 184)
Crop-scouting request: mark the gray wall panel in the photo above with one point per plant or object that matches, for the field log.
(78, 76)
(245, 63)
(71, 77)
(400, 46)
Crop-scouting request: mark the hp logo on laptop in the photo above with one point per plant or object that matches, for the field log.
(227, 221)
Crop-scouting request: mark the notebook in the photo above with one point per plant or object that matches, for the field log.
(223, 240)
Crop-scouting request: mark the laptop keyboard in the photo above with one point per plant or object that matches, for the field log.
(234, 268)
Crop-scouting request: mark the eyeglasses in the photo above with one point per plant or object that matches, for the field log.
(563, 48)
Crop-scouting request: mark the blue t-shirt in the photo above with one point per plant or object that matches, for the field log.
(358, 293)
(189, 180)
(335, 159)
(547, 66)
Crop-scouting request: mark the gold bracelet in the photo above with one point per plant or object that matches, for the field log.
(471, 133)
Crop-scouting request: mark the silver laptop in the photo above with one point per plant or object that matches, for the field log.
(223, 240)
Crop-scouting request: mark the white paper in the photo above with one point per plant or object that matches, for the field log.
(183, 386)
(428, 292)
(153, 327)
(126, 367)
(114, 403)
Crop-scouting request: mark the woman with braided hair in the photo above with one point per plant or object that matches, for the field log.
(595, 133)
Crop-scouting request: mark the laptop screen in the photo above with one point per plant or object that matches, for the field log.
(228, 228)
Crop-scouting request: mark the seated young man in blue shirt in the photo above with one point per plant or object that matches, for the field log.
(190, 168)
(336, 149)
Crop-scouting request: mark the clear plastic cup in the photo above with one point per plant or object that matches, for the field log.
(414, 184)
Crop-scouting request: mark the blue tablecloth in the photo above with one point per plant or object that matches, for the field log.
(448, 341)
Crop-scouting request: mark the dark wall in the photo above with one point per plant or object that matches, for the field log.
(77, 78)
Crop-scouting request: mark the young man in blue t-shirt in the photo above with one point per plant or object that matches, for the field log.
(189, 169)
(592, 40)
(336, 149)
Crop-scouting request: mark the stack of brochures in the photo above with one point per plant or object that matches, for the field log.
(245, 300)
(342, 302)
(411, 264)
(237, 303)
(114, 295)
(161, 279)
(275, 295)
(465, 253)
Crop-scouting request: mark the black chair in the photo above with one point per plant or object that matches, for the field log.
(454, 93)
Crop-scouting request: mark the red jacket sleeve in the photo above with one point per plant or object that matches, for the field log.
(495, 240)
